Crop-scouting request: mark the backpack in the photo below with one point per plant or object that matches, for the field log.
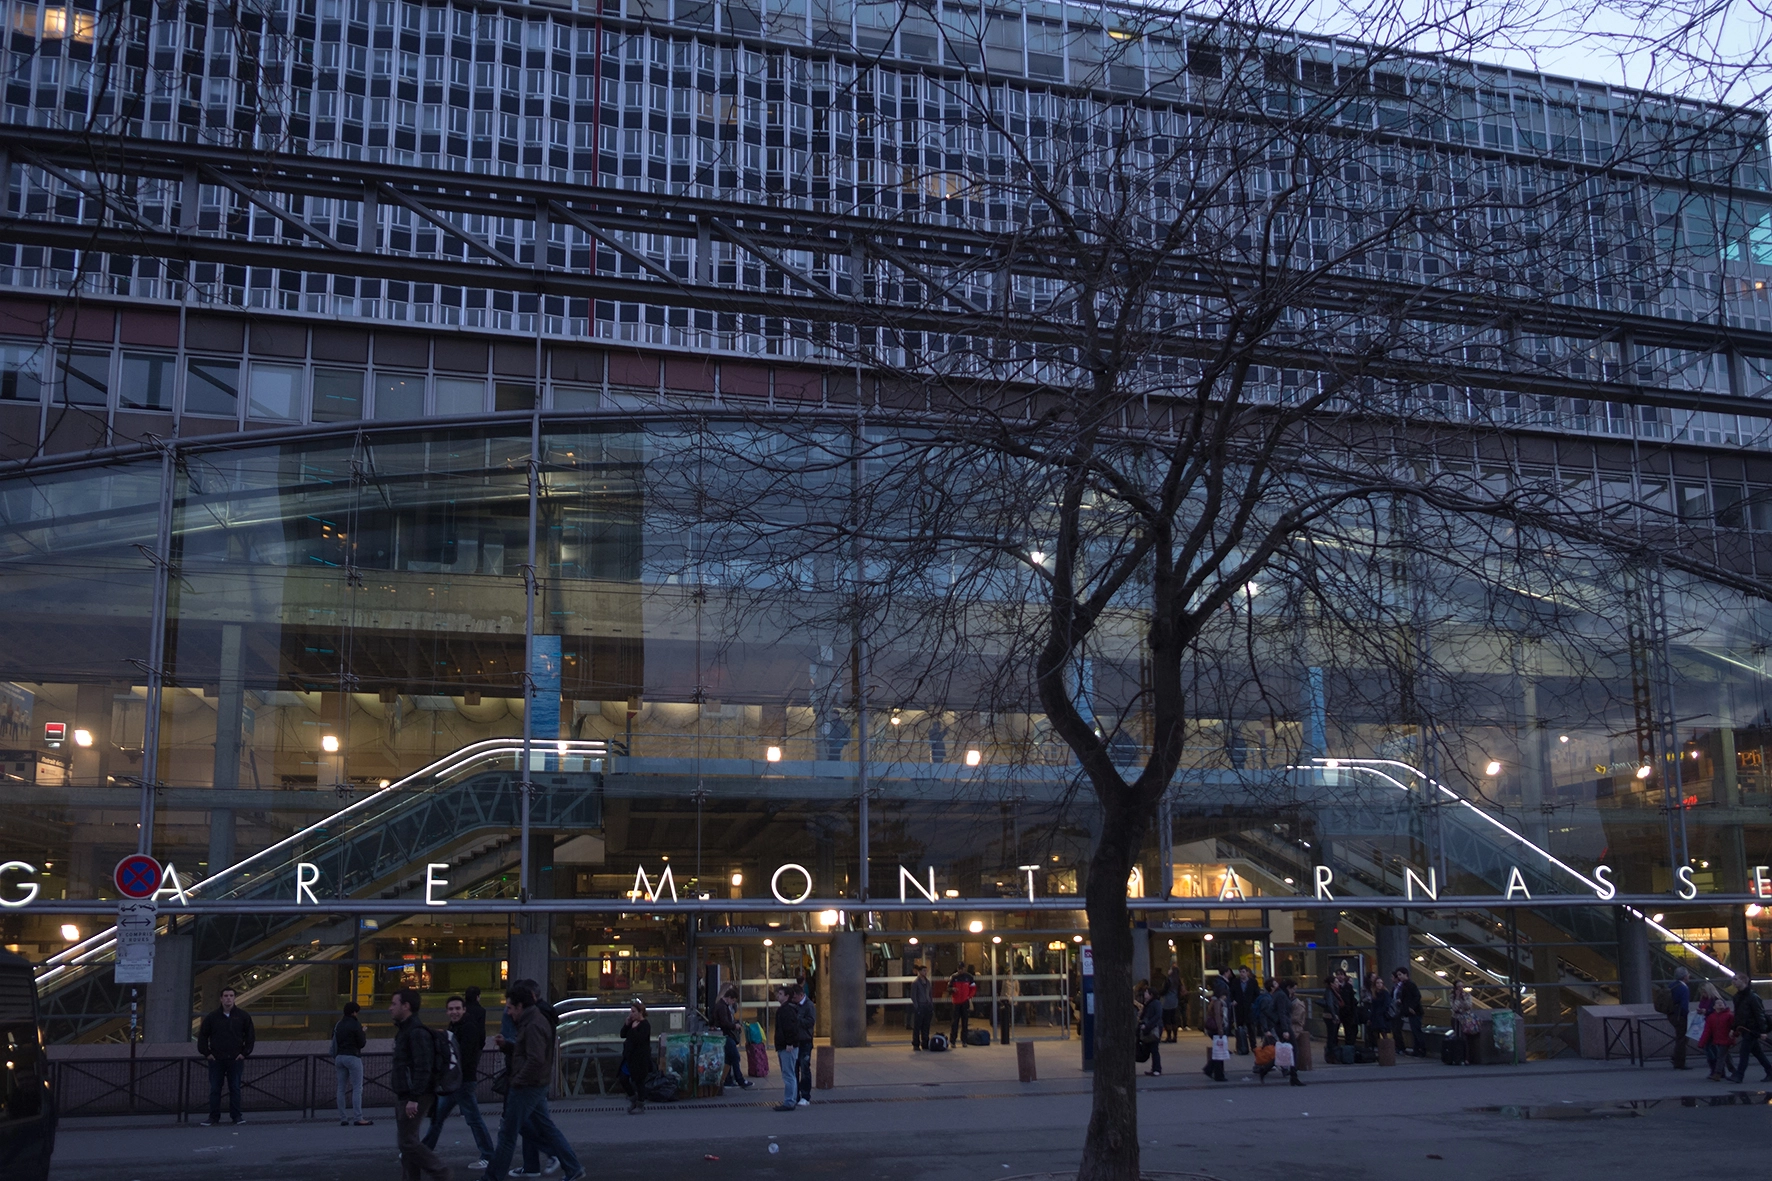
(445, 1063)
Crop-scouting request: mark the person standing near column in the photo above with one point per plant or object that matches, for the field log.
(470, 1040)
(1679, 1012)
(787, 1048)
(410, 1080)
(922, 1008)
(225, 1039)
(1409, 1011)
(348, 1040)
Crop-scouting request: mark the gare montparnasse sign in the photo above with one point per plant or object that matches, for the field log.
(19, 889)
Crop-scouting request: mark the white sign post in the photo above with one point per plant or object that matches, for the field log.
(135, 940)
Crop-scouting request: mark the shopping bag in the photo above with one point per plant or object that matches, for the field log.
(1695, 1026)
(1221, 1048)
(1284, 1057)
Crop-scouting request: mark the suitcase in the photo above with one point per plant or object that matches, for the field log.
(938, 1041)
(1452, 1050)
(757, 1056)
(1387, 1050)
(978, 1037)
(1346, 1054)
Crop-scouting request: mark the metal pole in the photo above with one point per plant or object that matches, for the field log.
(162, 559)
(526, 788)
(861, 672)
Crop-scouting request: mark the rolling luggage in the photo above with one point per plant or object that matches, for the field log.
(938, 1041)
(1387, 1050)
(757, 1060)
(1452, 1050)
(978, 1037)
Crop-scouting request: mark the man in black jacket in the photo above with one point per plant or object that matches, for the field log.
(922, 1008)
(225, 1039)
(808, 1024)
(1408, 998)
(787, 1048)
(1244, 991)
(470, 1040)
(410, 1080)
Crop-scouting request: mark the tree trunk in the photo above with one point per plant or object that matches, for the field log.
(1110, 1148)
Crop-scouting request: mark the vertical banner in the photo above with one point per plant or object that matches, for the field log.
(544, 670)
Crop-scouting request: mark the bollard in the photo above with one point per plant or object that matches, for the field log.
(1024, 1061)
(824, 1062)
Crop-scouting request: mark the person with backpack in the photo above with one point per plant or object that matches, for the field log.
(808, 1024)
(726, 1021)
(414, 1079)
(636, 1055)
(526, 1099)
(470, 1041)
(348, 1040)
(1750, 1028)
(787, 1047)
(962, 987)
(922, 1008)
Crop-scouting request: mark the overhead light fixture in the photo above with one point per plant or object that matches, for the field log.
(1643, 771)
(768, 943)
(70, 932)
(996, 939)
(1656, 918)
(387, 783)
(972, 758)
(828, 917)
(737, 878)
(1754, 909)
(976, 926)
(1076, 939)
(1207, 937)
(895, 718)
(329, 744)
(1562, 738)
(772, 754)
(913, 941)
(562, 746)
(1493, 768)
(83, 738)
(951, 893)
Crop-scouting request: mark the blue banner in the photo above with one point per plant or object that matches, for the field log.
(544, 669)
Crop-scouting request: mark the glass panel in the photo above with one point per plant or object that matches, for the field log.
(275, 392)
(460, 395)
(212, 387)
(147, 381)
(21, 370)
(574, 397)
(338, 395)
(510, 395)
(399, 395)
(86, 378)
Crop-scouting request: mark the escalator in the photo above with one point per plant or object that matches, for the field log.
(462, 810)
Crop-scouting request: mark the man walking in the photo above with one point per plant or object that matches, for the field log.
(225, 1040)
(922, 1008)
(1679, 1012)
(1409, 1010)
(808, 1025)
(1750, 1028)
(526, 1103)
(787, 1047)
(410, 1080)
(726, 1021)
(962, 987)
(348, 1040)
(470, 1040)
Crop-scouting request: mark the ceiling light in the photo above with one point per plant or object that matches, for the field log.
(768, 943)
(996, 939)
(1207, 937)
(1076, 939)
(913, 941)
(1493, 768)
(772, 754)
(951, 893)
(70, 932)
(976, 926)
(329, 744)
(1656, 918)
(83, 738)
(828, 917)
(1643, 771)
(972, 758)
(737, 878)
(1562, 738)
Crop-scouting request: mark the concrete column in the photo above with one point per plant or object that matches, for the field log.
(1393, 947)
(90, 765)
(1141, 952)
(166, 1017)
(1535, 786)
(848, 989)
(230, 702)
(1633, 959)
(1548, 986)
(530, 956)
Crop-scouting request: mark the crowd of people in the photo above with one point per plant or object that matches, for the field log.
(1718, 1024)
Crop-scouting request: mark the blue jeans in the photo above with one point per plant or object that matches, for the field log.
(526, 1111)
(232, 1071)
(789, 1060)
(734, 1067)
(350, 1086)
(470, 1114)
(1750, 1044)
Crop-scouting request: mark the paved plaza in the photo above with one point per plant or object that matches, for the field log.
(899, 1116)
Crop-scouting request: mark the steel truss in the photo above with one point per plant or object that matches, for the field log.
(904, 276)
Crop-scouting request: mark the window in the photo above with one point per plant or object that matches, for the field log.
(399, 395)
(212, 387)
(146, 382)
(575, 397)
(275, 393)
(457, 395)
(338, 395)
(86, 378)
(511, 395)
(20, 369)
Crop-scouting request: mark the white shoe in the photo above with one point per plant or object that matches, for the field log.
(480, 1164)
(549, 1164)
(805, 1103)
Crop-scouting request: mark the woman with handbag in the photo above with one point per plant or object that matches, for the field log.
(1150, 1028)
(1217, 1047)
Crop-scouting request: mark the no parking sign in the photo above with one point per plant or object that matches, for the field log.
(137, 876)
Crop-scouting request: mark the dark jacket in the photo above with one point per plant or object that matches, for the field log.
(1150, 1018)
(348, 1038)
(725, 1020)
(410, 1079)
(808, 1022)
(1408, 999)
(1243, 994)
(532, 1059)
(1750, 1011)
(787, 1026)
(226, 1036)
(636, 1050)
(470, 1038)
(922, 995)
(1262, 1016)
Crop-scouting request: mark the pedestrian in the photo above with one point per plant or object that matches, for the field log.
(787, 1047)
(1406, 998)
(808, 1024)
(348, 1040)
(636, 1055)
(526, 1101)
(1464, 1020)
(1172, 1003)
(506, 1041)
(410, 1080)
(1213, 1024)
(225, 1040)
(1331, 1015)
(726, 1020)
(962, 987)
(1717, 1037)
(922, 1008)
(1348, 1005)
(1150, 1028)
(1679, 1013)
(1262, 1013)
(1708, 997)
(1380, 1008)
(1749, 1028)
(1244, 990)
(470, 1041)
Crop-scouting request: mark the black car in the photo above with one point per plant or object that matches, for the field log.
(27, 1110)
